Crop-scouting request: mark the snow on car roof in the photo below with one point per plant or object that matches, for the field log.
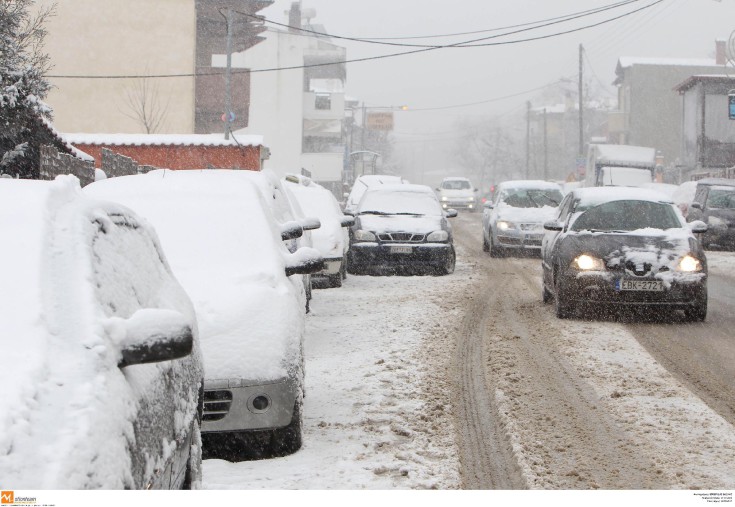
(221, 241)
(592, 196)
(456, 178)
(541, 184)
(379, 179)
(405, 187)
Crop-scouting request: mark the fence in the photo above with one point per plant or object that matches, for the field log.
(54, 164)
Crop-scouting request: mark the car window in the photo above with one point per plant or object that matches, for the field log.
(127, 267)
(723, 198)
(564, 207)
(532, 197)
(456, 185)
(701, 194)
(627, 215)
(403, 203)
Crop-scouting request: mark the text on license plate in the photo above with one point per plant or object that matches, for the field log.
(401, 250)
(644, 285)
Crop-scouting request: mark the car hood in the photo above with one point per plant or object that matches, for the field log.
(457, 193)
(401, 223)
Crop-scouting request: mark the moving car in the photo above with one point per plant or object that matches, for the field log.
(227, 250)
(401, 226)
(623, 247)
(102, 373)
(458, 193)
(714, 203)
(514, 221)
(332, 239)
(362, 183)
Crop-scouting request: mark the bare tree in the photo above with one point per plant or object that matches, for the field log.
(144, 104)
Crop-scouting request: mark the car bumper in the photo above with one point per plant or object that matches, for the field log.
(592, 289)
(460, 205)
(228, 405)
(377, 254)
(519, 240)
(332, 267)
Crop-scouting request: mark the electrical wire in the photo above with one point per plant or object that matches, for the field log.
(355, 60)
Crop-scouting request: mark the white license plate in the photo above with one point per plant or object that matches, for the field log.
(401, 250)
(640, 285)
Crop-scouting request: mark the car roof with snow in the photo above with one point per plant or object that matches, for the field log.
(539, 184)
(724, 182)
(405, 187)
(593, 196)
(456, 178)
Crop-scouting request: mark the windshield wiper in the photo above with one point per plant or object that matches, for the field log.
(373, 212)
(411, 214)
(551, 199)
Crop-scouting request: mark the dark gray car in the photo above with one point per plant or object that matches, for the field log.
(714, 204)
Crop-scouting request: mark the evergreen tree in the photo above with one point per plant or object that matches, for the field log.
(22, 86)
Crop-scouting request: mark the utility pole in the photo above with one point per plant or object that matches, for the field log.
(362, 133)
(228, 77)
(581, 104)
(546, 150)
(528, 138)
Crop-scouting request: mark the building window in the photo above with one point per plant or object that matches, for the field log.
(323, 101)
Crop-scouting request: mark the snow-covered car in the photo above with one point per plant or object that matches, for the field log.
(332, 239)
(458, 193)
(684, 195)
(623, 247)
(514, 221)
(227, 249)
(401, 226)
(714, 203)
(102, 372)
(362, 183)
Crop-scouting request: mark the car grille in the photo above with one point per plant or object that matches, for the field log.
(216, 404)
(638, 269)
(530, 227)
(403, 237)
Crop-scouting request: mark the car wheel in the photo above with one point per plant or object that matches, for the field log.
(449, 265)
(546, 294)
(343, 269)
(698, 311)
(495, 251)
(563, 308)
(334, 281)
(193, 475)
(288, 440)
(485, 244)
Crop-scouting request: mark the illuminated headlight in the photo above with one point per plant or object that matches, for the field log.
(361, 235)
(471, 199)
(504, 226)
(438, 236)
(689, 264)
(445, 198)
(588, 263)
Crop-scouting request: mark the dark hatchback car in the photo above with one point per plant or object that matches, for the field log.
(401, 227)
(611, 247)
(714, 204)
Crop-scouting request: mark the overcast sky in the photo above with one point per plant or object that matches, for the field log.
(672, 28)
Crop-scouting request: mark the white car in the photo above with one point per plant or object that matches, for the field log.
(458, 193)
(363, 183)
(332, 238)
(228, 252)
(513, 222)
(101, 371)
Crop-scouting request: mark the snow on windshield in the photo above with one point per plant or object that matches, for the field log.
(456, 185)
(627, 216)
(395, 202)
(531, 197)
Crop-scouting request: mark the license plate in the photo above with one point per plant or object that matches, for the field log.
(639, 285)
(401, 250)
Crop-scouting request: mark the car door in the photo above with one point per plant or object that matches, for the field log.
(549, 244)
(130, 275)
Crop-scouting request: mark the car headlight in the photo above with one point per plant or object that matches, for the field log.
(445, 198)
(586, 262)
(471, 199)
(361, 235)
(504, 226)
(689, 264)
(438, 236)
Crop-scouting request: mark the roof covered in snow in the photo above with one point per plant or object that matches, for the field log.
(629, 61)
(163, 139)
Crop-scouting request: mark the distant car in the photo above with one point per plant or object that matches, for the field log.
(401, 226)
(102, 374)
(458, 193)
(227, 250)
(514, 221)
(332, 239)
(714, 203)
(362, 183)
(611, 247)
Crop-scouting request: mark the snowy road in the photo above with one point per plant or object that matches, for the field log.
(469, 381)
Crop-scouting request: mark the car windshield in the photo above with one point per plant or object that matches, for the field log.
(721, 197)
(622, 216)
(456, 185)
(531, 197)
(399, 203)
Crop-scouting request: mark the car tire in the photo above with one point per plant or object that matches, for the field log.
(334, 281)
(495, 251)
(485, 244)
(449, 265)
(563, 308)
(343, 269)
(698, 311)
(288, 440)
(546, 295)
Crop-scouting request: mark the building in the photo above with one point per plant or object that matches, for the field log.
(300, 111)
(90, 40)
(649, 113)
(708, 132)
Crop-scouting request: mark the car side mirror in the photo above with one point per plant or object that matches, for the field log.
(151, 336)
(349, 212)
(450, 213)
(698, 227)
(696, 205)
(291, 230)
(438, 189)
(310, 224)
(487, 205)
(347, 221)
(553, 225)
(477, 190)
(304, 261)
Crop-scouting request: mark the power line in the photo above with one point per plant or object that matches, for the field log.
(355, 60)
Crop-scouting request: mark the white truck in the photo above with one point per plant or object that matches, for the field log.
(619, 165)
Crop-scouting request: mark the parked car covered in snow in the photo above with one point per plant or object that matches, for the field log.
(362, 183)
(514, 220)
(227, 250)
(102, 374)
(458, 193)
(401, 226)
(623, 247)
(714, 203)
(332, 239)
